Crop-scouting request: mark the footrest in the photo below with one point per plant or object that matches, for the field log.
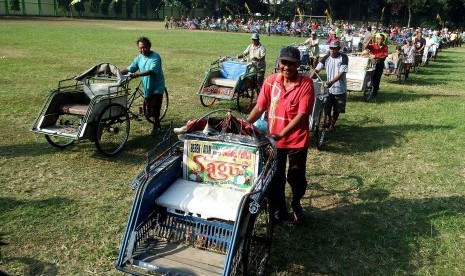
(74, 109)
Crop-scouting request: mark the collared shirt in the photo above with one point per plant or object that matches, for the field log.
(312, 45)
(333, 66)
(258, 52)
(379, 52)
(284, 105)
(155, 82)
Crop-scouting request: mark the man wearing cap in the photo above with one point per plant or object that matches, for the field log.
(336, 65)
(256, 52)
(332, 37)
(379, 51)
(409, 55)
(312, 44)
(288, 98)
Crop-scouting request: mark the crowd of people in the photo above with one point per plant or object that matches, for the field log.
(286, 97)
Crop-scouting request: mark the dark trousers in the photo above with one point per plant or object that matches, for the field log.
(379, 67)
(153, 104)
(295, 178)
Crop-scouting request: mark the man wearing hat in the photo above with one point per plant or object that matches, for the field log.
(336, 65)
(288, 98)
(409, 55)
(256, 52)
(312, 44)
(379, 51)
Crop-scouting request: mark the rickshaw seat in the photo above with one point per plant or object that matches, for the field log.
(202, 200)
(229, 74)
(74, 109)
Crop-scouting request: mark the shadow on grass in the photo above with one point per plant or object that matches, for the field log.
(32, 266)
(350, 139)
(381, 236)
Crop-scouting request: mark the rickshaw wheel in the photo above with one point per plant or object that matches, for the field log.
(367, 92)
(207, 101)
(257, 241)
(163, 110)
(320, 129)
(237, 266)
(245, 99)
(112, 131)
(59, 142)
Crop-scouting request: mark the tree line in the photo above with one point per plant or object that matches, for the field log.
(386, 12)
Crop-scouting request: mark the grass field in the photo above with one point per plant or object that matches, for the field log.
(386, 197)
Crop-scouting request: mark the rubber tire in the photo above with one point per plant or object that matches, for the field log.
(367, 93)
(257, 240)
(207, 101)
(321, 129)
(102, 121)
(58, 144)
(163, 110)
(249, 95)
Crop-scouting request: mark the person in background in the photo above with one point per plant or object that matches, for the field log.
(379, 51)
(332, 37)
(336, 65)
(288, 98)
(312, 44)
(392, 61)
(148, 66)
(409, 55)
(256, 52)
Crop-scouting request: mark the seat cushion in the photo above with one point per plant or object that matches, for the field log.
(203, 200)
(223, 82)
(75, 109)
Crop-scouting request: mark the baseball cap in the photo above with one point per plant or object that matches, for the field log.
(255, 36)
(334, 44)
(289, 53)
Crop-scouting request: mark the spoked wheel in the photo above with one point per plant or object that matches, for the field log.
(163, 110)
(59, 142)
(321, 128)
(68, 123)
(207, 101)
(245, 99)
(237, 265)
(367, 92)
(112, 131)
(257, 241)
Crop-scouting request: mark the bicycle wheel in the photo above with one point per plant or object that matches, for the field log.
(59, 142)
(207, 101)
(245, 99)
(257, 241)
(367, 92)
(163, 109)
(321, 128)
(68, 122)
(112, 131)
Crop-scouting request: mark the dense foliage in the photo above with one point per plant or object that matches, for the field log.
(14, 5)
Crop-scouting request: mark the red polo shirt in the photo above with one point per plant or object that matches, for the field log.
(379, 52)
(283, 106)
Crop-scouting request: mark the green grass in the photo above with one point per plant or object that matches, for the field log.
(386, 197)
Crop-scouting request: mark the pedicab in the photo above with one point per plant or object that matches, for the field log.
(360, 74)
(318, 122)
(230, 78)
(96, 105)
(201, 206)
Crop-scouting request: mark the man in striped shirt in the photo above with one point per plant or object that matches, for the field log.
(336, 65)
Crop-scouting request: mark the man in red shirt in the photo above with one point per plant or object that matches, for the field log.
(288, 98)
(379, 51)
